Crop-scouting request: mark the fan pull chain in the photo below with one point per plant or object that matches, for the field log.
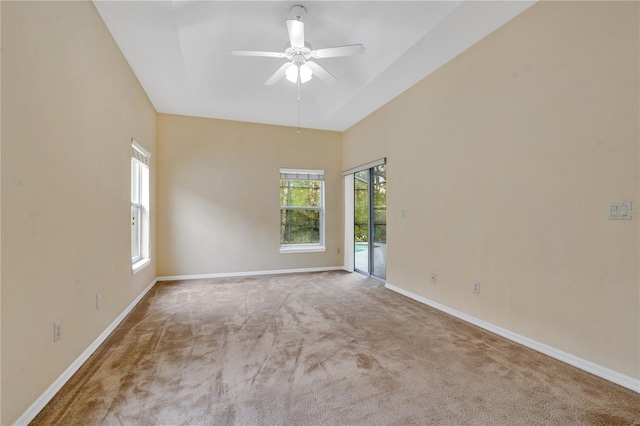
(298, 80)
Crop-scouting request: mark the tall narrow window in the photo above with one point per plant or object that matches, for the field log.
(301, 210)
(140, 252)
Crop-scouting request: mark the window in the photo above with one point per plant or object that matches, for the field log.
(301, 211)
(140, 252)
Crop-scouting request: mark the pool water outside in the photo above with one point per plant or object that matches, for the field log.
(360, 247)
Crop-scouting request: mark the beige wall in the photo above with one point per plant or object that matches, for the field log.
(218, 194)
(505, 160)
(0, 225)
(70, 105)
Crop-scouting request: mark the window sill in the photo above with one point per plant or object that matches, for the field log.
(140, 265)
(302, 248)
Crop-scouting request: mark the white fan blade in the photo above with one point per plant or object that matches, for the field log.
(296, 32)
(321, 73)
(277, 75)
(333, 52)
(258, 53)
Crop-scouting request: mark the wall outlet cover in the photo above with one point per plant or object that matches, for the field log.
(619, 211)
(57, 330)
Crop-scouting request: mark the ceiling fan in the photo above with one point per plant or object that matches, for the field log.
(300, 66)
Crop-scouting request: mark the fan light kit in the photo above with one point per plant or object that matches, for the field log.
(300, 68)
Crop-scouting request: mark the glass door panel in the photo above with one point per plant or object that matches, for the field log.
(370, 221)
(361, 221)
(378, 184)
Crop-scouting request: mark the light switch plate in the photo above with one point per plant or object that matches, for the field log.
(620, 210)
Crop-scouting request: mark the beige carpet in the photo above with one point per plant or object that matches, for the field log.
(322, 348)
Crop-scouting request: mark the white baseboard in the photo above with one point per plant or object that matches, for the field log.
(588, 366)
(250, 273)
(46, 396)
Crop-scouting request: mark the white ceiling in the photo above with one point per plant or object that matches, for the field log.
(180, 52)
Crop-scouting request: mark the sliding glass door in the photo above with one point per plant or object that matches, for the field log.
(379, 221)
(370, 221)
(361, 215)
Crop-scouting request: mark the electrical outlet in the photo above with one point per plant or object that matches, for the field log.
(433, 278)
(57, 330)
(98, 300)
(476, 287)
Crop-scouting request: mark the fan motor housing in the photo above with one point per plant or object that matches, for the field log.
(298, 54)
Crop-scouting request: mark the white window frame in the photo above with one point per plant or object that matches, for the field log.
(306, 174)
(140, 186)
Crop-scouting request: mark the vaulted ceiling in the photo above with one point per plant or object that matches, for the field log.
(181, 53)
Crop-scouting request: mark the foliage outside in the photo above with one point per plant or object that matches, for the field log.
(361, 205)
(300, 211)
